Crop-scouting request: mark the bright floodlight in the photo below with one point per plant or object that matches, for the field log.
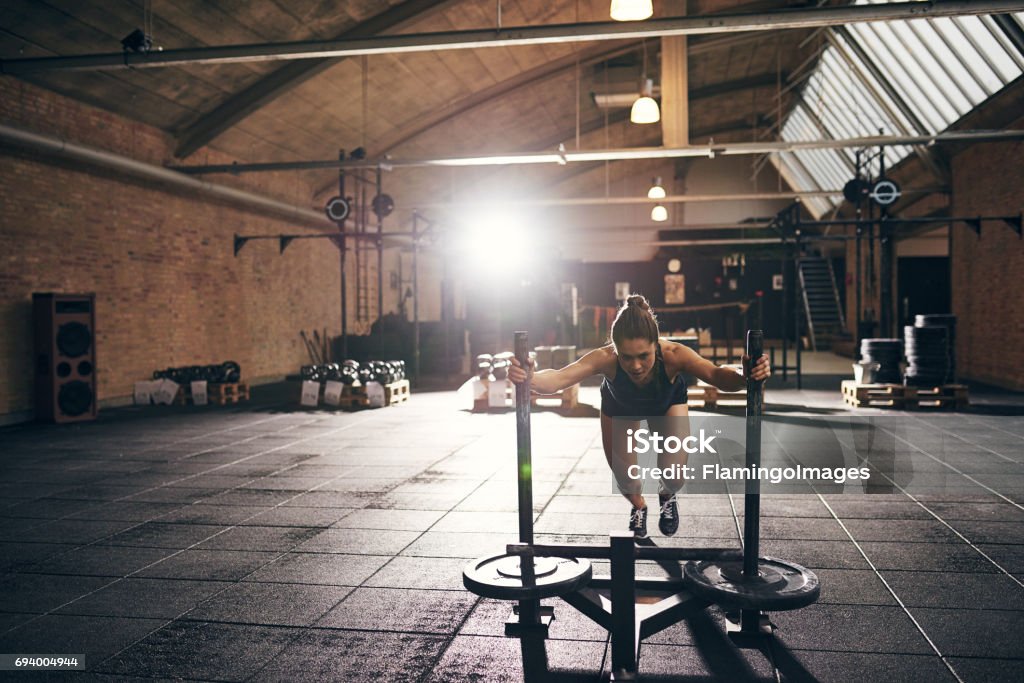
(497, 243)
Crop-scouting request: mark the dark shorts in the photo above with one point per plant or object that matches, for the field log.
(611, 407)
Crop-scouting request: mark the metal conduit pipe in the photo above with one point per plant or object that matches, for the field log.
(519, 35)
(562, 157)
(57, 147)
(670, 199)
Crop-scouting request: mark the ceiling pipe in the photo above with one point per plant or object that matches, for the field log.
(710, 150)
(57, 147)
(670, 199)
(813, 17)
(709, 243)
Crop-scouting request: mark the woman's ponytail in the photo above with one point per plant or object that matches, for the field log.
(635, 320)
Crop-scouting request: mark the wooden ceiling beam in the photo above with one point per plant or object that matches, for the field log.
(267, 89)
(508, 86)
(503, 88)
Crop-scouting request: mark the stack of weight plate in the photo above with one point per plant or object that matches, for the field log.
(887, 353)
(948, 321)
(927, 355)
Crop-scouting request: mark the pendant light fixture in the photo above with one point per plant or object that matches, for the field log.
(631, 10)
(645, 109)
(656, 191)
(659, 214)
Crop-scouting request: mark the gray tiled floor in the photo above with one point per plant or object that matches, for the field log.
(261, 543)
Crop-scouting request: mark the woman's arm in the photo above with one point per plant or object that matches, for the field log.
(680, 358)
(550, 381)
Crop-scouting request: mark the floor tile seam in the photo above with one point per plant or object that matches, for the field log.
(175, 554)
(326, 629)
(885, 583)
(536, 515)
(207, 434)
(192, 438)
(168, 622)
(953, 468)
(208, 598)
(916, 501)
(187, 505)
(959, 535)
(562, 483)
(157, 488)
(899, 601)
(468, 444)
(984, 425)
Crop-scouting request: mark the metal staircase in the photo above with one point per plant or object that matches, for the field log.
(821, 301)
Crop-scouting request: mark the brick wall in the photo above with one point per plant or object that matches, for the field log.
(987, 270)
(168, 289)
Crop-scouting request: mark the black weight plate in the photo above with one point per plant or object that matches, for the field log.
(927, 382)
(933, 333)
(499, 577)
(73, 339)
(945, 319)
(926, 371)
(927, 346)
(74, 398)
(779, 585)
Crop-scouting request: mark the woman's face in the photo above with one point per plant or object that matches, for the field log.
(636, 358)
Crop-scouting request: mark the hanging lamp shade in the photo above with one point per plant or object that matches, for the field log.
(631, 10)
(656, 191)
(645, 108)
(659, 214)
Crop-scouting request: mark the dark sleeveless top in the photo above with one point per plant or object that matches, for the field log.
(621, 397)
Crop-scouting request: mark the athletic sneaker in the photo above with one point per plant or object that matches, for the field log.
(668, 520)
(638, 522)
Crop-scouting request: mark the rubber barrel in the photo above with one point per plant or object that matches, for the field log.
(521, 348)
(752, 499)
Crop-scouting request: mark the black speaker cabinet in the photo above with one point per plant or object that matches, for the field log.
(65, 356)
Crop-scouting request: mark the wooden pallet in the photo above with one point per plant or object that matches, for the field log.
(566, 399)
(701, 397)
(216, 394)
(222, 394)
(354, 397)
(712, 398)
(902, 397)
(953, 396)
(896, 396)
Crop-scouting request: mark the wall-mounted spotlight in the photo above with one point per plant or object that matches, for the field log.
(137, 41)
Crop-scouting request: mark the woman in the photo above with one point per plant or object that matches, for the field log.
(644, 378)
